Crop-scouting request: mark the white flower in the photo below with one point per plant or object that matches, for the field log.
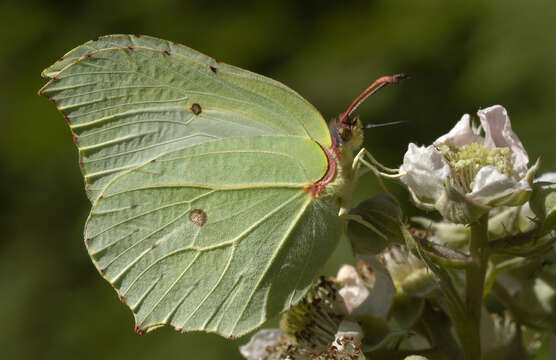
(463, 174)
(347, 342)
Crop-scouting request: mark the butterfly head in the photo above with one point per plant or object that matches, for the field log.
(347, 129)
(347, 132)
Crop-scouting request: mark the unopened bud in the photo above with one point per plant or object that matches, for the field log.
(543, 201)
(409, 274)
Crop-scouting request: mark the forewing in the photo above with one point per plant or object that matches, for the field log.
(124, 41)
(221, 256)
(129, 104)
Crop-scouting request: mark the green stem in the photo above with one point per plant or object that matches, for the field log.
(469, 333)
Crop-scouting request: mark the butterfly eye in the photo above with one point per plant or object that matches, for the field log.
(345, 132)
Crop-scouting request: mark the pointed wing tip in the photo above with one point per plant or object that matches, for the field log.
(47, 74)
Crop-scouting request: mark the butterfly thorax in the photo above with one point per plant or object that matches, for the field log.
(346, 140)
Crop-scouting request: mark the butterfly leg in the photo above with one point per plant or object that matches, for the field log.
(361, 166)
(359, 219)
(372, 165)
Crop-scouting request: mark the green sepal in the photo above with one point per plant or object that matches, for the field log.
(543, 204)
(457, 208)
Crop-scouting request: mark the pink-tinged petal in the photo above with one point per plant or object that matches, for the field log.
(495, 189)
(349, 276)
(499, 133)
(354, 292)
(256, 348)
(424, 172)
(353, 296)
(461, 134)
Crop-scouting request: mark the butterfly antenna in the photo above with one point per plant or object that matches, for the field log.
(369, 126)
(373, 88)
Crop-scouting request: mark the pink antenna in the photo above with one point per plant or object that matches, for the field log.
(375, 86)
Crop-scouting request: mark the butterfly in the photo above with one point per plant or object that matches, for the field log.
(217, 193)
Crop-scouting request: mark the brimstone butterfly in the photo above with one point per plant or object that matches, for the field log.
(217, 193)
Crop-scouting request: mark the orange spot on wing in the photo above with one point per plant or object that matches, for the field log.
(138, 330)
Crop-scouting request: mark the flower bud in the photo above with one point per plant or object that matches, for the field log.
(455, 236)
(543, 201)
(409, 274)
(510, 221)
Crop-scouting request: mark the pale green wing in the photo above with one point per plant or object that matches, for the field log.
(126, 40)
(127, 105)
(215, 237)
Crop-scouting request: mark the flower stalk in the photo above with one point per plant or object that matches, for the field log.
(469, 332)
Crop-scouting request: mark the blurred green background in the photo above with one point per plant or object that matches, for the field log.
(462, 56)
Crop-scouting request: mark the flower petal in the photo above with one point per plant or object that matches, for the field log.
(351, 329)
(424, 172)
(549, 177)
(383, 291)
(256, 348)
(496, 189)
(348, 276)
(354, 292)
(461, 134)
(499, 133)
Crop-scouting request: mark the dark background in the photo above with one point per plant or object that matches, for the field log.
(462, 56)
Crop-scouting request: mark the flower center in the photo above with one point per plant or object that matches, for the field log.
(312, 322)
(466, 161)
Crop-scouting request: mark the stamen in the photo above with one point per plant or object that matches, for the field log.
(312, 323)
(466, 161)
